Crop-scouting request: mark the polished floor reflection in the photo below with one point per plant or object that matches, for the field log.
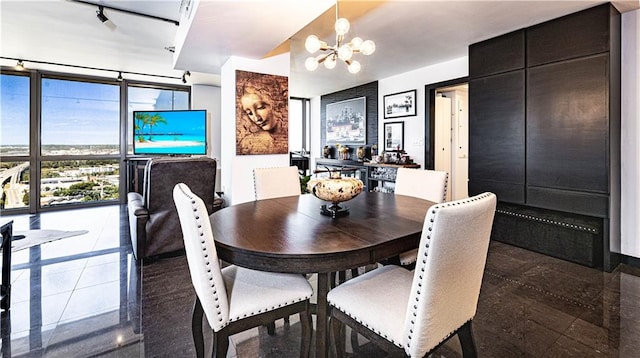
(85, 296)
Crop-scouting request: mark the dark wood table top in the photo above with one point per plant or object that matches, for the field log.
(290, 235)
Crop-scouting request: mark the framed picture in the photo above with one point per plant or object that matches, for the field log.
(393, 136)
(402, 104)
(346, 122)
(262, 113)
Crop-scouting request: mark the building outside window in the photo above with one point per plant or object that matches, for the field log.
(65, 144)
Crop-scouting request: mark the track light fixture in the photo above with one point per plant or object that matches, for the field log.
(100, 14)
(120, 77)
(184, 76)
(103, 18)
(19, 66)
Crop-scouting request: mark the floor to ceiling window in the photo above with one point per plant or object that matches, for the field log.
(79, 136)
(14, 140)
(61, 136)
(299, 124)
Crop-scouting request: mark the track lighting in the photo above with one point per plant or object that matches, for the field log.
(184, 76)
(119, 77)
(103, 18)
(100, 14)
(20, 66)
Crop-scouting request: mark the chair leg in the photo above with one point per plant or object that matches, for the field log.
(271, 328)
(336, 330)
(466, 341)
(305, 323)
(220, 345)
(196, 328)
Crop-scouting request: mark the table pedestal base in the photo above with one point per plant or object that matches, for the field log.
(335, 210)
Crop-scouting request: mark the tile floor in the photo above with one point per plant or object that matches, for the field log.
(85, 296)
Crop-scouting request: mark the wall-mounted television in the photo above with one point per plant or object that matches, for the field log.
(180, 132)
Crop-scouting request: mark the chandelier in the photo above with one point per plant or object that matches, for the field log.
(341, 50)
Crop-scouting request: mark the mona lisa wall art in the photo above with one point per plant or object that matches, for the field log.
(262, 113)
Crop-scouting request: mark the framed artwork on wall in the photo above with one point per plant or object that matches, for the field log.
(346, 122)
(393, 136)
(401, 104)
(262, 113)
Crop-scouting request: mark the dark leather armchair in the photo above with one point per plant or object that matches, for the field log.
(153, 218)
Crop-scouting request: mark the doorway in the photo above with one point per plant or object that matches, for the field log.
(448, 135)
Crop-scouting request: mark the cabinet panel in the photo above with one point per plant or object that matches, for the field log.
(568, 125)
(580, 34)
(500, 54)
(497, 133)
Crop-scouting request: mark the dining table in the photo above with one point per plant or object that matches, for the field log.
(289, 234)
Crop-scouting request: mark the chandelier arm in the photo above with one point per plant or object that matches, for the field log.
(325, 57)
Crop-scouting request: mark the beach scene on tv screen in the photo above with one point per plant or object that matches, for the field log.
(179, 132)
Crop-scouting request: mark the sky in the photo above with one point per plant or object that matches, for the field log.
(75, 112)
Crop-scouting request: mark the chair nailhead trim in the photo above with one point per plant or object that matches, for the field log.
(207, 263)
(398, 344)
(423, 264)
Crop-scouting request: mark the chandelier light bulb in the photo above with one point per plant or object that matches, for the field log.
(312, 44)
(330, 62)
(311, 64)
(354, 67)
(342, 26)
(368, 47)
(345, 52)
(356, 42)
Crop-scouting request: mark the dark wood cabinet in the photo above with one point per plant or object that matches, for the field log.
(577, 35)
(568, 133)
(546, 137)
(496, 161)
(501, 54)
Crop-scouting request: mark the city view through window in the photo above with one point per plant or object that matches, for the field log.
(79, 139)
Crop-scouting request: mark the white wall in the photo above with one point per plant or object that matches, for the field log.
(414, 126)
(630, 145)
(237, 170)
(208, 97)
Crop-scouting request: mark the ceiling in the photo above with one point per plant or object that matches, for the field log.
(409, 34)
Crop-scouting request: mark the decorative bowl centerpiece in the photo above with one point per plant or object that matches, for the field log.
(335, 189)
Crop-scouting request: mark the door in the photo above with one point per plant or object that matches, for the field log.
(452, 138)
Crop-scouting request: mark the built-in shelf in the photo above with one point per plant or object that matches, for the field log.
(380, 173)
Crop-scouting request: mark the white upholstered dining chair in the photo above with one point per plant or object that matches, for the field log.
(276, 182)
(234, 298)
(414, 312)
(424, 184)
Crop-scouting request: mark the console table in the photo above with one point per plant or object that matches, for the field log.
(5, 290)
(380, 173)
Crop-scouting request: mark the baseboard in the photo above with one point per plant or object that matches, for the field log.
(630, 260)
